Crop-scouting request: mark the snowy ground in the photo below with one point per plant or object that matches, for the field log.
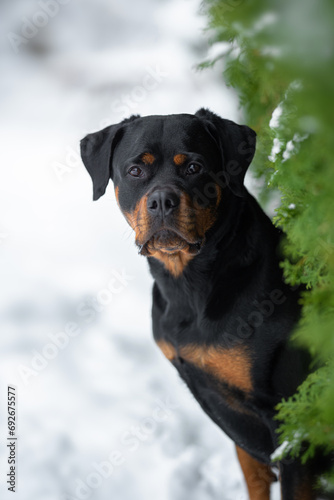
(101, 414)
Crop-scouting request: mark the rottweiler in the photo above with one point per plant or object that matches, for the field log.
(222, 313)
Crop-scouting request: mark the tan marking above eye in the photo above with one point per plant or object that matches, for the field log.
(148, 158)
(179, 159)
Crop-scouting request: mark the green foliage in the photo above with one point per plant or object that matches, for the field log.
(279, 57)
(302, 411)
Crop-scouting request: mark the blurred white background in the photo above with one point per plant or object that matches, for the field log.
(95, 397)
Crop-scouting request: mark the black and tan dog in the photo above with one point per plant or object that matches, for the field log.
(222, 313)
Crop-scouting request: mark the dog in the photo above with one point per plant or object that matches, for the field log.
(222, 313)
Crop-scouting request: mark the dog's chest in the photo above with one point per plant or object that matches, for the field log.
(222, 384)
(226, 366)
(185, 339)
(220, 378)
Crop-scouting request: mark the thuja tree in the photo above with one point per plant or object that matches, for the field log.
(279, 57)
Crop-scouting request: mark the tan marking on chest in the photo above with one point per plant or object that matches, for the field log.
(117, 194)
(232, 366)
(168, 349)
(174, 263)
(179, 159)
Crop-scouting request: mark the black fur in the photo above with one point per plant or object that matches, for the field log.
(232, 293)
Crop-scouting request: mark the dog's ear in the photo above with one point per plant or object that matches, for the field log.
(97, 151)
(237, 146)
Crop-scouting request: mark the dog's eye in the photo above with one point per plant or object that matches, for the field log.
(193, 168)
(135, 171)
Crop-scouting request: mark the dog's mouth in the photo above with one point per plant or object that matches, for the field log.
(169, 242)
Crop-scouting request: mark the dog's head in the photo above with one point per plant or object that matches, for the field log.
(171, 175)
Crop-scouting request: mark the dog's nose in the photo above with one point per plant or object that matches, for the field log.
(162, 202)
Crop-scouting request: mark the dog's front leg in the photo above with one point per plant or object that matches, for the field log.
(296, 482)
(258, 476)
